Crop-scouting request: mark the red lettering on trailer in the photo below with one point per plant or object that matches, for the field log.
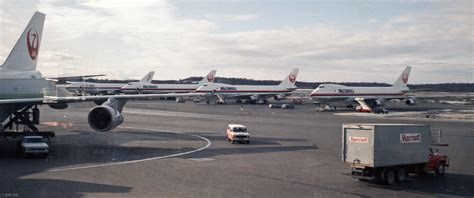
(359, 139)
(410, 137)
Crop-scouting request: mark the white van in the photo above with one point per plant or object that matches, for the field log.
(238, 133)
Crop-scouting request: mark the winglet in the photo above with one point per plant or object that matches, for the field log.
(290, 80)
(148, 77)
(402, 81)
(24, 54)
(209, 78)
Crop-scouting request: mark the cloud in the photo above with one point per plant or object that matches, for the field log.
(245, 17)
(127, 39)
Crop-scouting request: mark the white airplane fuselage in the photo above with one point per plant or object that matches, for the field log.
(13, 85)
(245, 91)
(95, 88)
(151, 88)
(334, 92)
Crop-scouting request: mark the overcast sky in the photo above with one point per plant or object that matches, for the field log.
(370, 41)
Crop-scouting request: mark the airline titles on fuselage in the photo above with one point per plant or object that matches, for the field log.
(228, 88)
(345, 90)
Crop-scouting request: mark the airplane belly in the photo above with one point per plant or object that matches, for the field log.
(24, 88)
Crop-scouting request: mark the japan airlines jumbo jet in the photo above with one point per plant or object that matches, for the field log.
(90, 88)
(151, 88)
(367, 97)
(22, 88)
(257, 93)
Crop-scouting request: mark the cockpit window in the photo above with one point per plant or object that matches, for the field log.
(321, 86)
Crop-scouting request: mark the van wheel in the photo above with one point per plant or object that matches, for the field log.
(389, 177)
(440, 168)
(401, 175)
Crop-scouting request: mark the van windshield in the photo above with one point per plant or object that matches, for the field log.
(33, 140)
(240, 130)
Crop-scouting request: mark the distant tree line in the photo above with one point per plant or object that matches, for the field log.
(440, 87)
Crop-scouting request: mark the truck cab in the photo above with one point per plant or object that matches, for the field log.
(437, 162)
(238, 133)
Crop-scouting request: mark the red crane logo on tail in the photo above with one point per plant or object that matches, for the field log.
(210, 78)
(292, 78)
(32, 43)
(405, 78)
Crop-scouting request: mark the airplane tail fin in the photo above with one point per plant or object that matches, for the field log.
(24, 55)
(290, 80)
(402, 81)
(148, 77)
(209, 78)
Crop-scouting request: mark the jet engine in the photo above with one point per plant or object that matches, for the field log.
(104, 118)
(279, 97)
(410, 102)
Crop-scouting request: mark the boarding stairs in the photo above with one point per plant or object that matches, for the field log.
(363, 106)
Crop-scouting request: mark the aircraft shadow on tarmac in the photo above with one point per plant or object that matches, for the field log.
(76, 149)
(253, 140)
(247, 150)
(451, 184)
(55, 188)
(257, 145)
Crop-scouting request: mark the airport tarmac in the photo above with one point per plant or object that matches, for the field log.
(164, 149)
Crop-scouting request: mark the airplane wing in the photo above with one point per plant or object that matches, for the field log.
(74, 78)
(70, 99)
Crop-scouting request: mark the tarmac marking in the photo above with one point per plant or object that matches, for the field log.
(208, 144)
(201, 159)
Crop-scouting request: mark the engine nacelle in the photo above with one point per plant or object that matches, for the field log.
(279, 97)
(377, 103)
(58, 105)
(104, 118)
(410, 102)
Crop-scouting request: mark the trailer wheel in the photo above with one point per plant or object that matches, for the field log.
(440, 167)
(389, 176)
(401, 175)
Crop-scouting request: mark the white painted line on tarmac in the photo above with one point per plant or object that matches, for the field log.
(201, 159)
(209, 143)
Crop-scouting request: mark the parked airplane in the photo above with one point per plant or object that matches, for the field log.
(367, 97)
(253, 93)
(151, 88)
(84, 88)
(23, 88)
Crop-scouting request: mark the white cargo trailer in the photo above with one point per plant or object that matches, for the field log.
(389, 152)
